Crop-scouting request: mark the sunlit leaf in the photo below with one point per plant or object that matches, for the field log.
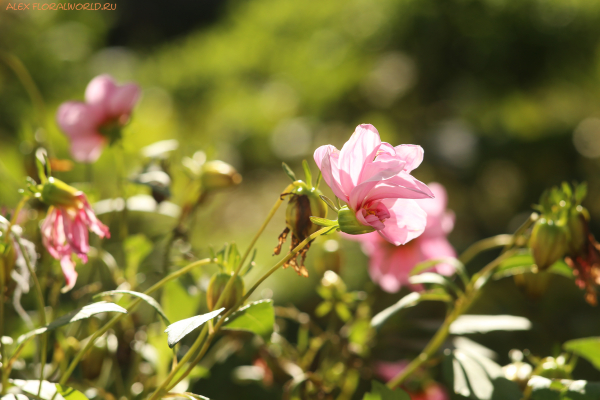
(288, 171)
(49, 390)
(82, 313)
(178, 330)
(588, 348)
(549, 389)
(409, 300)
(466, 324)
(433, 278)
(142, 296)
(257, 317)
(381, 392)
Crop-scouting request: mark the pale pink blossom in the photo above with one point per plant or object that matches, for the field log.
(430, 390)
(373, 178)
(390, 265)
(88, 124)
(65, 232)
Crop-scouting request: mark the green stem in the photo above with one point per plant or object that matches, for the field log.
(462, 305)
(485, 244)
(28, 83)
(222, 320)
(13, 219)
(41, 309)
(130, 308)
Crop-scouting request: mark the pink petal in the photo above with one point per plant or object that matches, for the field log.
(100, 91)
(87, 148)
(439, 220)
(76, 118)
(384, 167)
(437, 247)
(402, 186)
(407, 221)
(328, 164)
(89, 217)
(388, 370)
(360, 148)
(391, 268)
(68, 269)
(412, 154)
(123, 100)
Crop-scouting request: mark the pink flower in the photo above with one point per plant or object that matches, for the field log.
(90, 125)
(390, 265)
(373, 178)
(430, 391)
(65, 232)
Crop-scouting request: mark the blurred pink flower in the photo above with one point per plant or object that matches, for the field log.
(65, 232)
(431, 391)
(373, 178)
(88, 125)
(390, 265)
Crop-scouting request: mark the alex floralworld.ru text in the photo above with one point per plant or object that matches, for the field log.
(62, 6)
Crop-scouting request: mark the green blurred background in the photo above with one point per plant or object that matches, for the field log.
(503, 95)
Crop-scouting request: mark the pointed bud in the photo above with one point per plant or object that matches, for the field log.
(219, 175)
(349, 224)
(217, 285)
(57, 193)
(549, 242)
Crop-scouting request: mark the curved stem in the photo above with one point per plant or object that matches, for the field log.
(485, 244)
(41, 309)
(223, 319)
(131, 307)
(462, 304)
(274, 209)
(13, 219)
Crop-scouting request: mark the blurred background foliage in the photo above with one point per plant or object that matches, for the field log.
(504, 96)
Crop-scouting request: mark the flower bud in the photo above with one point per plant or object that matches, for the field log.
(57, 193)
(553, 368)
(577, 225)
(549, 242)
(217, 285)
(219, 175)
(349, 224)
(304, 203)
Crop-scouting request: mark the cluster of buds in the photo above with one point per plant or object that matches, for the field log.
(305, 201)
(562, 232)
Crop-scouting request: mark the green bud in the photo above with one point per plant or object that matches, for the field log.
(553, 368)
(549, 242)
(57, 193)
(219, 175)
(304, 203)
(217, 285)
(349, 224)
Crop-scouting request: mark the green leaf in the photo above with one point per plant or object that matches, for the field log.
(82, 313)
(180, 329)
(49, 390)
(307, 173)
(548, 389)
(474, 375)
(142, 296)
(381, 392)
(409, 300)
(288, 171)
(177, 302)
(466, 324)
(588, 348)
(580, 192)
(342, 311)
(323, 308)
(323, 221)
(523, 262)
(433, 278)
(458, 266)
(257, 317)
(329, 202)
